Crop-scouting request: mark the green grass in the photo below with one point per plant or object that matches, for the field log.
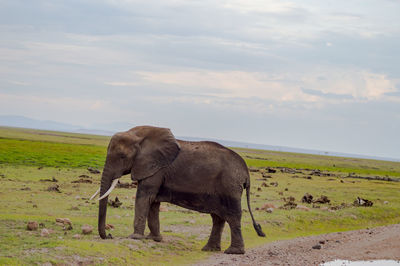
(28, 156)
(53, 136)
(260, 158)
(50, 154)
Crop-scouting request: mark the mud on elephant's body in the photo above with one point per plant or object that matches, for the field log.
(201, 176)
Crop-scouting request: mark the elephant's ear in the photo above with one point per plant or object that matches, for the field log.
(157, 149)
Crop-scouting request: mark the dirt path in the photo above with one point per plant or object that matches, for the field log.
(367, 244)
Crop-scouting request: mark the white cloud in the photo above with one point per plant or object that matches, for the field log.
(19, 83)
(71, 53)
(269, 6)
(362, 85)
(352, 84)
(226, 84)
(121, 83)
(97, 105)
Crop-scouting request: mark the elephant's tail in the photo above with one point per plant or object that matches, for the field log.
(257, 226)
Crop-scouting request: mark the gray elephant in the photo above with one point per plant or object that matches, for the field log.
(202, 176)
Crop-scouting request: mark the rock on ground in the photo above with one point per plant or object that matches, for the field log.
(65, 223)
(87, 229)
(268, 206)
(32, 226)
(44, 232)
(109, 227)
(302, 208)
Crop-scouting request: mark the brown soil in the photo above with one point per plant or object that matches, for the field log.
(367, 244)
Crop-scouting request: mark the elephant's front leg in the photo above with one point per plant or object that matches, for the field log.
(142, 206)
(145, 196)
(153, 221)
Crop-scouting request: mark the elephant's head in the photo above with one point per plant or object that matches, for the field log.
(141, 151)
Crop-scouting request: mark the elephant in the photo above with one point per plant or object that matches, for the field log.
(202, 176)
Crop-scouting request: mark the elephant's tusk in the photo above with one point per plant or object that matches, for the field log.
(114, 183)
(95, 194)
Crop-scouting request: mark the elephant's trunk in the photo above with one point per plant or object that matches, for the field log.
(106, 180)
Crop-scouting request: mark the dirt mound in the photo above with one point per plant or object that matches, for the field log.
(379, 178)
(289, 203)
(54, 188)
(114, 203)
(318, 172)
(323, 199)
(126, 185)
(93, 170)
(288, 170)
(83, 180)
(307, 198)
(363, 202)
(270, 170)
(53, 179)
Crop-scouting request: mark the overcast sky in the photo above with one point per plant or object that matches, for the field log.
(309, 74)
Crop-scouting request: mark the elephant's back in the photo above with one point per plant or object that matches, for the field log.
(213, 163)
(212, 151)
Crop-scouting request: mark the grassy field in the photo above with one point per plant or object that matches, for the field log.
(29, 158)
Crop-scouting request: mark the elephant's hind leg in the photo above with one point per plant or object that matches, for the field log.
(153, 222)
(237, 244)
(214, 242)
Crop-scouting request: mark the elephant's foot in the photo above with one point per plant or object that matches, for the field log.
(234, 250)
(157, 238)
(211, 247)
(136, 236)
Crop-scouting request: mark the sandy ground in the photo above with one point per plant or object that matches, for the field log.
(367, 244)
